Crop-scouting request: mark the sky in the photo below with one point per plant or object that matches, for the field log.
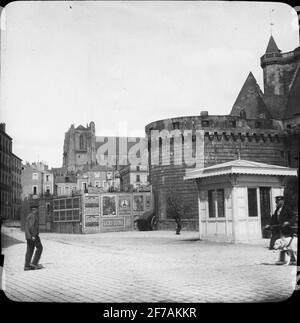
(124, 64)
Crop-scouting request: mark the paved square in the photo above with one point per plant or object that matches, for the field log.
(135, 266)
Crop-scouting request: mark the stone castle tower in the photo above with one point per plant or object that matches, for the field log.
(279, 71)
(79, 148)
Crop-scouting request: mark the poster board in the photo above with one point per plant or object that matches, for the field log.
(91, 211)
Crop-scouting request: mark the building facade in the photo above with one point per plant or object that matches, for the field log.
(36, 180)
(65, 185)
(103, 178)
(261, 127)
(134, 177)
(16, 171)
(10, 169)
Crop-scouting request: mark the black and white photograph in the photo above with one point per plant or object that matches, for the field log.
(149, 154)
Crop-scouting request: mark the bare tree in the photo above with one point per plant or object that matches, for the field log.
(177, 208)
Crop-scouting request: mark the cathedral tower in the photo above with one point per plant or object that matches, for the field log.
(79, 148)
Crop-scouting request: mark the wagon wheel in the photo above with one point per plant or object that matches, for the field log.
(154, 223)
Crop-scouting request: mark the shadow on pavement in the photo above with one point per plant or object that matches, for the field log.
(191, 240)
(7, 241)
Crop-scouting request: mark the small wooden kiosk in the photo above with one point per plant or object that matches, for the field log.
(236, 199)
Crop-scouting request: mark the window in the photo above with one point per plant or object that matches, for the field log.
(175, 125)
(205, 123)
(35, 176)
(138, 168)
(34, 190)
(211, 204)
(220, 203)
(81, 145)
(105, 185)
(148, 179)
(232, 123)
(67, 190)
(288, 158)
(47, 178)
(216, 205)
(66, 209)
(252, 202)
(109, 175)
(258, 124)
(138, 178)
(59, 191)
(48, 189)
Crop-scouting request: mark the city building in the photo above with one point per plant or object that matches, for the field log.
(134, 178)
(65, 185)
(16, 170)
(105, 178)
(261, 127)
(36, 180)
(10, 169)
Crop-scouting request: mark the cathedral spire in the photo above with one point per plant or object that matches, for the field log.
(272, 46)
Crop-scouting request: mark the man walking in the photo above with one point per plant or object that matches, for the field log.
(33, 241)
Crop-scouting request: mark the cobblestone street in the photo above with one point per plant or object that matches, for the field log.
(154, 266)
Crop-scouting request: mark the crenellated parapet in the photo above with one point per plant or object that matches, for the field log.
(280, 58)
(259, 136)
(212, 122)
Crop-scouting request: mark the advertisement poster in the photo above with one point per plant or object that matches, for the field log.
(109, 205)
(138, 203)
(148, 202)
(91, 221)
(91, 201)
(124, 205)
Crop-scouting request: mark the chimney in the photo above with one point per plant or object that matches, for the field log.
(204, 113)
(2, 126)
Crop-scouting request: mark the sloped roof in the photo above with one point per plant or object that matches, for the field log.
(250, 99)
(272, 46)
(240, 166)
(80, 127)
(293, 104)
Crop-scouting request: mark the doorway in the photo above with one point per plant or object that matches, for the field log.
(265, 209)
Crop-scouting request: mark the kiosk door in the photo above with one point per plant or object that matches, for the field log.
(265, 209)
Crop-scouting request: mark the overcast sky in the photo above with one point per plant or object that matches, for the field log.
(126, 64)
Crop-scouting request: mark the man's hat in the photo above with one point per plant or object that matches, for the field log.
(279, 198)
